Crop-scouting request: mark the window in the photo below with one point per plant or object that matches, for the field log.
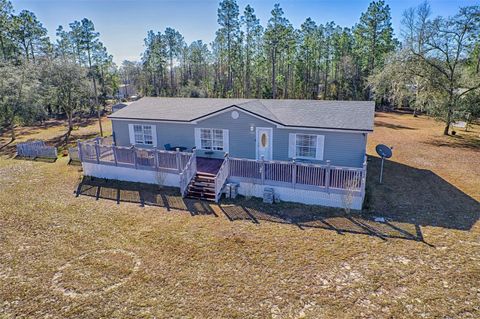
(306, 146)
(211, 139)
(143, 134)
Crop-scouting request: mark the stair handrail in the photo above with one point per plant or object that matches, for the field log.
(188, 173)
(221, 178)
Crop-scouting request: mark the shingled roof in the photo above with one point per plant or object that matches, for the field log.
(342, 115)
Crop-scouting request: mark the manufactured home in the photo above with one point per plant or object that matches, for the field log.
(307, 151)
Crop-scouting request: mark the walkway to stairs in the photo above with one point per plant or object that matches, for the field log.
(202, 185)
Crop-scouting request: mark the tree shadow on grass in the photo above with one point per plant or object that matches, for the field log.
(457, 141)
(393, 126)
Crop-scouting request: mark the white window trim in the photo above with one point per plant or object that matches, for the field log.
(153, 129)
(319, 148)
(225, 139)
(296, 145)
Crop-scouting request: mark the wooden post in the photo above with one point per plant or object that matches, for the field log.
(97, 151)
(262, 169)
(327, 175)
(79, 146)
(294, 173)
(177, 158)
(114, 150)
(134, 156)
(364, 179)
(227, 164)
(155, 157)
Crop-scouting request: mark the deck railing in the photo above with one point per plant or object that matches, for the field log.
(94, 151)
(188, 174)
(221, 177)
(308, 176)
(299, 175)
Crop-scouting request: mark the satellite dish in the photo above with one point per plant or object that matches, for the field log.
(385, 152)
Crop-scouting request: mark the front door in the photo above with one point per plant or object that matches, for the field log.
(264, 143)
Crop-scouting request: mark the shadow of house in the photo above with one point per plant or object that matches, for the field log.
(408, 199)
(418, 196)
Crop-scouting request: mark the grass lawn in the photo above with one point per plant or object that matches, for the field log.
(63, 256)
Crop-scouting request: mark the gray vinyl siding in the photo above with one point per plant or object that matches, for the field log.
(344, 149)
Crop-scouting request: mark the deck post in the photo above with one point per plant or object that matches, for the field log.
(294, 173)
(134, 156)
(79, 146)
(97, 150)
(114, 150)
(327, 176)
(262, 169)
(363, 180)
(177, 159)
(155, 157)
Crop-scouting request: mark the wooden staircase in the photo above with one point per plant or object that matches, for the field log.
(202, 187)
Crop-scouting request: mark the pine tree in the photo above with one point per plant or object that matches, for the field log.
(374, 37)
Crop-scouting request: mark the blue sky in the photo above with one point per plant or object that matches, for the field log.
(123, 24)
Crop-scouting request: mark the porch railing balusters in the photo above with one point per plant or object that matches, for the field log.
(310, 176)
(327, 175)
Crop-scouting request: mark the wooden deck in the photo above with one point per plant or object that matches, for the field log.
(208, 165)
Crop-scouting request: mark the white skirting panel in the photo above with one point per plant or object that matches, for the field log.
(332, 199)
(130, 174)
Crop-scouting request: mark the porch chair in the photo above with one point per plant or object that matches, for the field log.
(168, 147)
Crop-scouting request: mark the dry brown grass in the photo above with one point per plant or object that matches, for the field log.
(53, 132)
(63, 256)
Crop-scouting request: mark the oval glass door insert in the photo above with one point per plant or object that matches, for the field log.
(264, 140)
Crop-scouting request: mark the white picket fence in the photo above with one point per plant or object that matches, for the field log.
(34, 149)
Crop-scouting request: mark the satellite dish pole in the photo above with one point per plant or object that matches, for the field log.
(385, 152)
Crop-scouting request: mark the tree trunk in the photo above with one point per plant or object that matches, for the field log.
(98, 107)
(70, 128)
(448, 121)
(95, 92)
(4, 51)
(274, 86)
(445, 130)
(12, 128)
(171, 76)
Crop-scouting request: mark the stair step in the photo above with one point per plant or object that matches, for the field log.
(201, 194)
(205, 181)
(202, 184)
(205, 174)
(207, 178)
(201, 198)
(205, 190)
